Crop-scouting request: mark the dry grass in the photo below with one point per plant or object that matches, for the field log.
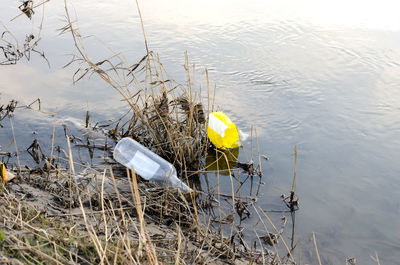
(10, 49)
(107, 220)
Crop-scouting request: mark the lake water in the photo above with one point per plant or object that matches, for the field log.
(324, 76)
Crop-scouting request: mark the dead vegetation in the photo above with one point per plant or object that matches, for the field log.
(11, 49)
(96, 218)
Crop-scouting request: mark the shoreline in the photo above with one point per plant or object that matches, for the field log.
(42, 220)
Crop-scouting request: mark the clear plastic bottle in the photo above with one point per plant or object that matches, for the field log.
(147, 164)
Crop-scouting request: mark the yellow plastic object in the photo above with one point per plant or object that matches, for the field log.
(3, 171)
(4, 175)
(222, 132)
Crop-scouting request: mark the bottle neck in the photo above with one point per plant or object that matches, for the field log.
(174, 181)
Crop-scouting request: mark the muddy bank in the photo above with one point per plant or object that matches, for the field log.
(59, 218)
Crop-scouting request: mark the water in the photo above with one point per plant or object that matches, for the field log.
(324, 76)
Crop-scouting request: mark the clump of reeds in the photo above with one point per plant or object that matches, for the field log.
(169, 120)
(166, 117)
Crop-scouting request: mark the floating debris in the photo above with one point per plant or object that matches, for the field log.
(222, 132)
(147, 164)
(27, 8)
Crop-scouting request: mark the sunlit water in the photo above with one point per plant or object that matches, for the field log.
(324, 76)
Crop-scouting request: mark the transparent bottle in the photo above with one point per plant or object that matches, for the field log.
(147, 164)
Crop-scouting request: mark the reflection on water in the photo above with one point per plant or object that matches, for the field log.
(324, 76)
(222, 161)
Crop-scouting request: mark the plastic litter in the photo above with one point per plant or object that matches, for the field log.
(147, 164)
(223, 133)
(5, 175)
(242, 136)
